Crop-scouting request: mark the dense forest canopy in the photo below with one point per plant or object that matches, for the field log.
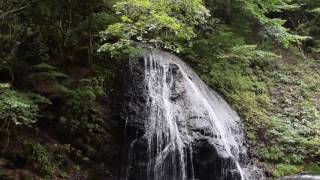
(60, 60)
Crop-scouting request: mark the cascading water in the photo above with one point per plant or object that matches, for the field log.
(177, 128)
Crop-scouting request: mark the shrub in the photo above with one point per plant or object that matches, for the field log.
(41, 160)
(285, 169)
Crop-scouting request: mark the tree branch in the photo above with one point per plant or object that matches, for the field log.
(13, 11)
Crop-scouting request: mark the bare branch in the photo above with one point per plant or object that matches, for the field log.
(13, 11)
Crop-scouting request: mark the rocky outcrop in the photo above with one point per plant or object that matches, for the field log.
(176, 128)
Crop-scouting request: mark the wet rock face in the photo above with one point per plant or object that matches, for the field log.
(177, 87)
(170, 130)
(133, 98)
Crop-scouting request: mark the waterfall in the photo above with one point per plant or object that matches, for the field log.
(177, 128)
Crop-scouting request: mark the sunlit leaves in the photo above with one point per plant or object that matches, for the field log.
(162, 23)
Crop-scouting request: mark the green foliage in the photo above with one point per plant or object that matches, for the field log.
(48, 159)
(296, 124)
(273, 154)
(48, 80)
(226, 62)
(82, 114)
(313, 169)
(41, 160)
(273, 27)
(305, 21)
(63, 27)
(17, 108)
(253, 16)
(273, 99)
(120, 49)
(285, 169)
(49, 47)
(167, 24)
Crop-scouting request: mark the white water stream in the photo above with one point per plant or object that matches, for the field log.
(177, 100)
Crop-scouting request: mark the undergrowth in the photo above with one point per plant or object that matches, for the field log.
(277, 96)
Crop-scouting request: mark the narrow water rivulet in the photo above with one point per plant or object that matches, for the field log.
(177, 128)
